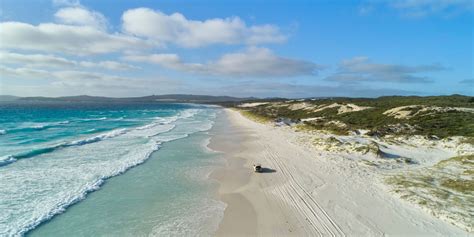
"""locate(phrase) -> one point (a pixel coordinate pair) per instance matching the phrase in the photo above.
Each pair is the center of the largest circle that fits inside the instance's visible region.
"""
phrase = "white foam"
(189, 113)
(206, 148)
(39, 126)
(111, 134)
(93, 119)
(154, 130)
(5, 160)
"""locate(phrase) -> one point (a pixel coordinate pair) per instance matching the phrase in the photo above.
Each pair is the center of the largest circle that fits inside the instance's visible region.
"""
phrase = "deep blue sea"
(86, 169)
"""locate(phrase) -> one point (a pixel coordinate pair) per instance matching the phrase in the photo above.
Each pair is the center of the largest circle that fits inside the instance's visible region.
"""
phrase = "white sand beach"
(305, 192)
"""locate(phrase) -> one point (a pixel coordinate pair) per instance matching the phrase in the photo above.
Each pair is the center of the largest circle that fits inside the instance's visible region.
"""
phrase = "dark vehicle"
(257, 168)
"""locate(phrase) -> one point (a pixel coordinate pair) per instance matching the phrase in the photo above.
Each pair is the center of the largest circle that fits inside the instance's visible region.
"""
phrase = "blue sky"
(239, 48)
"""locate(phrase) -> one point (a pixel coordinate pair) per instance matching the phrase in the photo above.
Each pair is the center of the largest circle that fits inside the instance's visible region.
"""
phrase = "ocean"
(107, 170)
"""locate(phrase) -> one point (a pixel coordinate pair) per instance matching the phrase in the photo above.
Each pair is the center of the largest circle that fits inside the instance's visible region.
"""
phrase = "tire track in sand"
(305, 203)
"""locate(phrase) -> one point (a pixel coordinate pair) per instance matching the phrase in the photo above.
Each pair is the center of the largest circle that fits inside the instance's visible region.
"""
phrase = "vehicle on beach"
(257, 168)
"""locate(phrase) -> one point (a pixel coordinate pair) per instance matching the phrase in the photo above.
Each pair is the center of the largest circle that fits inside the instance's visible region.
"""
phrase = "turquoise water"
(107, 170)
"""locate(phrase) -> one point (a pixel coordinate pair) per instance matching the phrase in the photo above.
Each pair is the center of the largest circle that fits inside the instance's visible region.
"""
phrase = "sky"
(291, 49)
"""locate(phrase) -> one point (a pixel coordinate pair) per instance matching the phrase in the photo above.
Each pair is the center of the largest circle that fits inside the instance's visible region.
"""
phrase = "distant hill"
(81, 98)
(152, 98)
(8, 98)
(190, 98)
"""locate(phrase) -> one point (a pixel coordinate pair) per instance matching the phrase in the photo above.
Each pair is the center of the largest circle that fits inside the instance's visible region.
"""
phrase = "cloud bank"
(360, 69)
(252, 62)
(177, 29)
(69, 39)
(81, 17)
(52, 61)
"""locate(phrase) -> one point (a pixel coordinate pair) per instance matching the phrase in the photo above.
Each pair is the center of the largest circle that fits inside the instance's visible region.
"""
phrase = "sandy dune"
(342, 108)
(249, 105)
(305, 192)
(405, 112)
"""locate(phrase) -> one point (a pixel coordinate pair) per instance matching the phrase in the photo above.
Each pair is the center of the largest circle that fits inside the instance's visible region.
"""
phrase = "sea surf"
(56, 158)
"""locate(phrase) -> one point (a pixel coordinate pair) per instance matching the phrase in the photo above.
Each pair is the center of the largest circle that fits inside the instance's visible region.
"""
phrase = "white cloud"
(7, 72)
(87, 76)
(51, 61)
(75, 79)
(71, 82)
(168, 60)
(111, 65)
(176, 29)
(77, 40)
(35, 74)
(82, 17)
(253, 62)
(37, 60)
(261, 62)
(80, 31)
(362, 69)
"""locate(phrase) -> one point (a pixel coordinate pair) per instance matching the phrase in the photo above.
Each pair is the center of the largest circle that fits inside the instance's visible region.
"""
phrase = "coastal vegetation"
(436, 116)
(446, 189)
(256, 117)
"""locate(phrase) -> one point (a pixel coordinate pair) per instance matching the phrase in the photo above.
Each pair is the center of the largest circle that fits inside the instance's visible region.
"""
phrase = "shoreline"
(252, 208)
(307, 192)
(225, 144)
(247, 204)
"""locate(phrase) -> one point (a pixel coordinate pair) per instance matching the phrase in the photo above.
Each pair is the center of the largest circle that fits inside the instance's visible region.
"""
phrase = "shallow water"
(168, 195)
